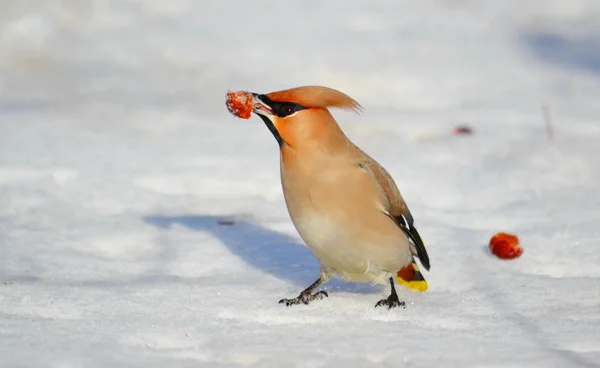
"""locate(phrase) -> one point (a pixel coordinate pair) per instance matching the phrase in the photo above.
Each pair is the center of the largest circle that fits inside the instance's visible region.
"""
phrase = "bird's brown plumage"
(324, 130)
(344, 204)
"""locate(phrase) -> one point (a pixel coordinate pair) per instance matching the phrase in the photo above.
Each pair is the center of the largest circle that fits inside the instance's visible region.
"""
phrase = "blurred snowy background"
(119, 163)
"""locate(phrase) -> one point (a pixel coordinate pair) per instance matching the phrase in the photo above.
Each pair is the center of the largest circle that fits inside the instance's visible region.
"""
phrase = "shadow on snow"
(270, 251)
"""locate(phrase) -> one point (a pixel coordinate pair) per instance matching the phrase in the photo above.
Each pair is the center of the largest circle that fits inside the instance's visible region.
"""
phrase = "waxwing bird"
(344, 205)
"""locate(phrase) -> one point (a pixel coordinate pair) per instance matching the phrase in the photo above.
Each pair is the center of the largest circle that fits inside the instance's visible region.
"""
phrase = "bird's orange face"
(282, 118)
(292, 123)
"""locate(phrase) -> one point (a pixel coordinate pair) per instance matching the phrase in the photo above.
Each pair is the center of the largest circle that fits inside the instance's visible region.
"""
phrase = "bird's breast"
(337, 212)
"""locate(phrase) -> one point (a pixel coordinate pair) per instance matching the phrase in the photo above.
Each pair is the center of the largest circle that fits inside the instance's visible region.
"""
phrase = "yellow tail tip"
(416, 285)
(411, 277)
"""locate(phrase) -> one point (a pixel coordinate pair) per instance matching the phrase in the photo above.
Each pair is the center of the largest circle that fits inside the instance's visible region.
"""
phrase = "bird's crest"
(316, 97)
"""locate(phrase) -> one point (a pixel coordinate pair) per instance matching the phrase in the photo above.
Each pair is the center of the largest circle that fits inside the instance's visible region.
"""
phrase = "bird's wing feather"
(396, 206)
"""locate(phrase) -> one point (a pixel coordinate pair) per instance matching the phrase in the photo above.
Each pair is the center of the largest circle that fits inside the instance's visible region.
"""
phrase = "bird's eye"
(288, 110)
(284, 109)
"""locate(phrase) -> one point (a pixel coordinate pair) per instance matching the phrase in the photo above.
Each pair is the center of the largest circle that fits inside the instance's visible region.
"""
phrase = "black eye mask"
(281, 109)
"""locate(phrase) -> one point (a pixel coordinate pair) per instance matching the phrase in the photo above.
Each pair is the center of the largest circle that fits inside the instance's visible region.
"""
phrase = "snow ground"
(118, 159)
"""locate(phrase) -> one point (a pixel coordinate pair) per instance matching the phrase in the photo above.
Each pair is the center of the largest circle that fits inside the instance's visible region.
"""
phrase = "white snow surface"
(118, 159)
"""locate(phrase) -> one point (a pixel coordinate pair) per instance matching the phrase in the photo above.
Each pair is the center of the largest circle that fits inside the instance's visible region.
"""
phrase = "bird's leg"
(306, 296)
(392, 300)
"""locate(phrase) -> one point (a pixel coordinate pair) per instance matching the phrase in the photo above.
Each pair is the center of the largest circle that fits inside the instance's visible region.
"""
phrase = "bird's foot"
(304, 298)
(391, 302)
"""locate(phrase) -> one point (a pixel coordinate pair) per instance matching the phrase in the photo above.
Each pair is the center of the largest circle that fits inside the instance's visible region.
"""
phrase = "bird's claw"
(304, 298)
(391, 301)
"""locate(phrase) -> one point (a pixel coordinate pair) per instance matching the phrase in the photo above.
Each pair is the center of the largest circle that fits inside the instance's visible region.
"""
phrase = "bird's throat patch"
(273, 130)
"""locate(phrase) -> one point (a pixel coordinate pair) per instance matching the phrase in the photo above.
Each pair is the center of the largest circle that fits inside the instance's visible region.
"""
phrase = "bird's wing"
(396, 206)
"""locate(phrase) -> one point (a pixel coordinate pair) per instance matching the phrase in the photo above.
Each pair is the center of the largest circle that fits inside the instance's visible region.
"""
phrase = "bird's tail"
(411, 277)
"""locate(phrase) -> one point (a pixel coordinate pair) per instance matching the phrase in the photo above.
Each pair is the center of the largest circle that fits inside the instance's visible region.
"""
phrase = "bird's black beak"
(261, 105)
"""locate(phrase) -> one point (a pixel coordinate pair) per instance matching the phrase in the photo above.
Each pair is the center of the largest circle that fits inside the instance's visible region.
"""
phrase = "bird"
(345, 206)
